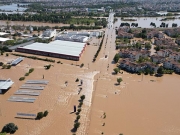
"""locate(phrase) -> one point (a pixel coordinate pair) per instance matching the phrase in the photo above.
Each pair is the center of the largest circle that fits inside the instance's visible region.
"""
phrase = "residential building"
(175, 56)
(157, 59)
(170, 64)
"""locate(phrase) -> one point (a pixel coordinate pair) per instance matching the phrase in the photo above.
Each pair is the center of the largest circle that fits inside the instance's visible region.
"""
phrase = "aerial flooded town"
(96, 67)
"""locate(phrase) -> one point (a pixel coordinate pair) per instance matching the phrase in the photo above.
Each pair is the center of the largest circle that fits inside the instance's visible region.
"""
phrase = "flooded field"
(144, 22)
(12, 7)
(141, 105)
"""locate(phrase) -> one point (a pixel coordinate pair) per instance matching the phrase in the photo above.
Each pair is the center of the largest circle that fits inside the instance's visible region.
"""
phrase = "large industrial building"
(58, 48)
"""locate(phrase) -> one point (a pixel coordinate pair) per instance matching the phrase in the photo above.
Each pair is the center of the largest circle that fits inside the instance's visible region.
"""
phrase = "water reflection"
(144, 22)
(12, 7)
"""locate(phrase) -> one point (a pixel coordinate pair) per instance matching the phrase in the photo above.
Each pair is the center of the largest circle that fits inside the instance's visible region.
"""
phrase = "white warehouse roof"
(58, 46)
(5, 84)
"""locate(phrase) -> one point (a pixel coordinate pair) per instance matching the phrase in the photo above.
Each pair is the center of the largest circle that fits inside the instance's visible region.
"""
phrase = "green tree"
(160, 70)
(116, 70)
(45, 113)
(21, 78)
(76, 125)
(77, 80)
(31, 70)
(8, 66)
(4, 66)
(157, 48)
(116, 58)
(79, 110)
(40, 115)
(10, 128)
(151, 72)
(1, 63)
(148, 46)
(119, 80)
(82, 97)
(26, 74)
(47, 66)
(78, 117)
(9, 42)
(82, 65)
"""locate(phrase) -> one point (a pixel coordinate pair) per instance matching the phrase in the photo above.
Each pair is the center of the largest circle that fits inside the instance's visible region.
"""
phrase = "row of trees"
(99, 49)
(162, 70)
(76, 122)
(15, 42)
(41, 40)
(4, 49)
(153, 24)
(146, 71)
(163, 25)
(65, 18)
(26, 74)
(40, 115)
(124, 24)
(134, 24)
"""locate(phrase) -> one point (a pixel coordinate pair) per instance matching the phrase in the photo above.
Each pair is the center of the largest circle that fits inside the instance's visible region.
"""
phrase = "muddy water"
(138, 107)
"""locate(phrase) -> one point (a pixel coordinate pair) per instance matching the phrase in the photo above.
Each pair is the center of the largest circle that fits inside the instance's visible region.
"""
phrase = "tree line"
(65, 18)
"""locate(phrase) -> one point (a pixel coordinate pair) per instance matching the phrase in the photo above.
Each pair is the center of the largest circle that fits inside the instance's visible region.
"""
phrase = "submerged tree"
(10, 128)
(116, 70)
(119, 80)
(116, 58)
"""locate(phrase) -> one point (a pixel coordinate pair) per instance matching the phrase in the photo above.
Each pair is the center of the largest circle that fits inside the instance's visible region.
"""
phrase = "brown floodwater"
(137, 107)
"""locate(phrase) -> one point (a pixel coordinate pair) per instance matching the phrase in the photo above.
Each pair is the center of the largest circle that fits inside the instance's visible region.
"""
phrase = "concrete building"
(49, 33)
(57, 48)
(157, 59)
(73, 38)
(170, 64)
(175, 56)
(102, 9)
